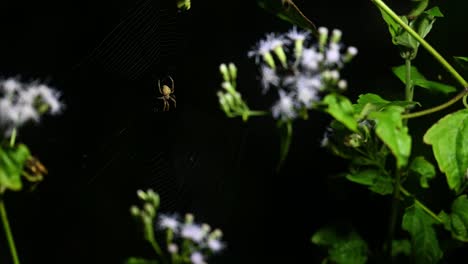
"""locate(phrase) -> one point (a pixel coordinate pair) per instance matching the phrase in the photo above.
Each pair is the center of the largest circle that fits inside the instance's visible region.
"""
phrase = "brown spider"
(167, 94)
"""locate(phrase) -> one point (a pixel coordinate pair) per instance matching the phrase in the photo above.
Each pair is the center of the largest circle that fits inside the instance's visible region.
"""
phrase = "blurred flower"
(21, 103)
(168, 222)
(193, 232)
(269, 77)
(197, 258)
(284, 107)
(307, 73)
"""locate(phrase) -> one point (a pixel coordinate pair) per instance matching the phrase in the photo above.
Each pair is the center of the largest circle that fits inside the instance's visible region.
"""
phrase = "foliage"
(373, 134)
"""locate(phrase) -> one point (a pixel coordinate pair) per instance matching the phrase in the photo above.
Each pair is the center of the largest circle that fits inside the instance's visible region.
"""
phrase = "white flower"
(21, 104)
(266, 45)
(11, 86)
(311, 59)
(269, 77)
(215, 244)
(168, 222)
(284, 108)
(333, 55)
(294, 34)
(193, 232)
(197, 258)
(50, 97)
(307, 89)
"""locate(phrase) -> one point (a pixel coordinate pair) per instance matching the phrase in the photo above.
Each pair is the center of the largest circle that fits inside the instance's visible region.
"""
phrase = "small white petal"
(284, 108)
(333, 55)
(215, 245)
(311, 59)
(197, 258)
(11, 86)
(193, 232)
(294, 34)
(269, 77)
(168, 222)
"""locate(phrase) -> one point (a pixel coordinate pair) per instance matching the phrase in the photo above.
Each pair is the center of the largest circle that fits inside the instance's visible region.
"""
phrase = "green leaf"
(134, 260)
(435, 12)
(352, 251)
(457, 221)
(373, 102)
(342, 110)
(12, 161)
(462, 61)
(376, 180)
(288, 11)
(449, 140)
(422, 24)
(419, 80)
(325, 237)
(390, 129)
(347, 248)
(424, 169)
(401, 247)
(424, 241)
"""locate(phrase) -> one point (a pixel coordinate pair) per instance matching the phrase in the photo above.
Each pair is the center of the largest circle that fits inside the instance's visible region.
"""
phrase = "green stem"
(421, 205)
(9, 235)
(156, 248)
(394, 212)
(258, 113)
(437, 108)
(434, 53)
(424, 43)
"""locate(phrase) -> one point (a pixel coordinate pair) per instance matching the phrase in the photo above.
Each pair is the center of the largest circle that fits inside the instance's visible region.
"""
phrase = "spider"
(167, 94)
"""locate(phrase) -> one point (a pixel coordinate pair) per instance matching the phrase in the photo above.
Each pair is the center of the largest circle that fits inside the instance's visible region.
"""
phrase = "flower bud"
(189, 218)
(224, 72)
(134, 211)
(351, 52)
(233, 71)
(268, 58)
(142, 195)
(279, 51)
(336, 35)
(323, 37)
(342, 85)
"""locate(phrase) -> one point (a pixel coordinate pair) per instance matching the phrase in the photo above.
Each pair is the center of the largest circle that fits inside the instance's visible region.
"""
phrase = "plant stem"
(394, 212)
(421, 205)
(156, 247)
(434, 53)
(424, 43)
(9, 235)
(437, 108)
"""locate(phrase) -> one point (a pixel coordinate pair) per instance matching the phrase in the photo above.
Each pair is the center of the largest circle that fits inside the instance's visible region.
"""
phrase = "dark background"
(113, 137)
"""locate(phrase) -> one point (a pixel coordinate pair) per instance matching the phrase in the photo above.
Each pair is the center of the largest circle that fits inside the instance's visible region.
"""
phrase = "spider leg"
(166, 105)
(172, 82)
(173, 100)
(159, 86)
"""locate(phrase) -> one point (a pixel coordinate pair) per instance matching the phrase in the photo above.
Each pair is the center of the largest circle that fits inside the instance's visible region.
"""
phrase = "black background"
(113, 138)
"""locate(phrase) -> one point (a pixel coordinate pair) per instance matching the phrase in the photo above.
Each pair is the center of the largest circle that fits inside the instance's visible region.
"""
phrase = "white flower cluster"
(21, 103)
(202, 240)
(301, 70)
